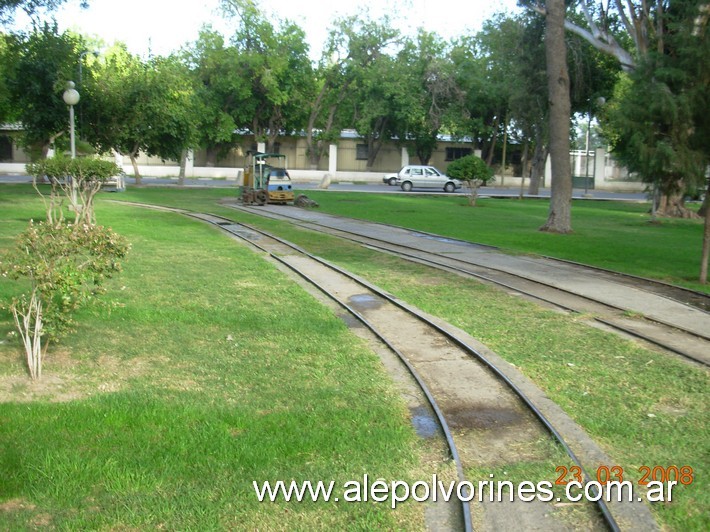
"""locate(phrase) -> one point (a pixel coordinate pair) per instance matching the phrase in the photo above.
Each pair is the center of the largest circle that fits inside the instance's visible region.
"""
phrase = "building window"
(456, 153)
(361, 152)
(5, 148)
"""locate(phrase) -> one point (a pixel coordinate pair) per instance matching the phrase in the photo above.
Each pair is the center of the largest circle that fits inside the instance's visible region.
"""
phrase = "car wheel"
(449, 187)
(406, 186)
(392, 181)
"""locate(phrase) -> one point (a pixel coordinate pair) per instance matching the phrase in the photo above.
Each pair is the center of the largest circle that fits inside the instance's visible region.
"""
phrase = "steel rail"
(453, 451)
(224, 223)
(703, 297)
(387, 247)
(604, 509)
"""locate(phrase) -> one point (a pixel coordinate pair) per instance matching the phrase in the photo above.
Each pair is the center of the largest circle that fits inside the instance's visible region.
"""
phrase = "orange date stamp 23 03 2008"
(681, 475)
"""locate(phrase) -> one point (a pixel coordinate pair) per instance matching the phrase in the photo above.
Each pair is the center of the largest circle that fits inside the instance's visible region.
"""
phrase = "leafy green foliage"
(78, 180)
(221, 91)
(274, 67)
(133, 107)
(432, 92)
(658, 125)
(473, 171)
(7, 111)
(470, 168)
(85, 170)
(38, 66)
(378, 89)
(66, 265)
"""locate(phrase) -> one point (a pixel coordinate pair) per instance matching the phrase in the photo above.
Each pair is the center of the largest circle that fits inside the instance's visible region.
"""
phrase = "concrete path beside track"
(592, 283)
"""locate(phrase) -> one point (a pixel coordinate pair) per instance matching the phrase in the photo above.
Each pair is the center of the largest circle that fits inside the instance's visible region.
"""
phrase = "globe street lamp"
(71, 98)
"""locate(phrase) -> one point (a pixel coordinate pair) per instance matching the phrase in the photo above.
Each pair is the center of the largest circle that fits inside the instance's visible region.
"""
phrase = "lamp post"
(71, 98)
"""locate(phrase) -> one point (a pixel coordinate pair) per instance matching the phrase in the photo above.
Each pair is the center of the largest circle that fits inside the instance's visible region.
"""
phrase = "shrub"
(473, 171)
(77, 180)
(66, 265)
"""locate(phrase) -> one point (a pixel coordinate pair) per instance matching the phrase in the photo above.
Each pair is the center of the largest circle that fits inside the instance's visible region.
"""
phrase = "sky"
(162, 26)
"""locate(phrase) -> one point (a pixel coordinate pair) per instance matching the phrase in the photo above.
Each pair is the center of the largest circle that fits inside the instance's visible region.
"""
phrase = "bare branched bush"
(66, 263)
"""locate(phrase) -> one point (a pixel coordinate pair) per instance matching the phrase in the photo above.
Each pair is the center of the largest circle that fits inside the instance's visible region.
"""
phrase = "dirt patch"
(16, 505)
(20, 388)
(66, 378)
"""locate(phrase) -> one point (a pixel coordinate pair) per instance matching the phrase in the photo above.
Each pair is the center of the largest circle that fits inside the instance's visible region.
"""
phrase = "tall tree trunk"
(494, 141)
(136, 172)
(524, 166)
(505, 149)
(559, 219)
(672, 205)
(706, 203)
(374, 142)
(706, 240)
(211, 156)
(183, 166)
(539, 160)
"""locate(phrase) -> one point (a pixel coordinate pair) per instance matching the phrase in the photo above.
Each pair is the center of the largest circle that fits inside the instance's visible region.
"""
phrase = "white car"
(416, 176)
(390, 179)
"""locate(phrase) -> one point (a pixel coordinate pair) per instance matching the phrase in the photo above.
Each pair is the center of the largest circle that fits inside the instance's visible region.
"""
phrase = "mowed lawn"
(162, 354)
(206, 370)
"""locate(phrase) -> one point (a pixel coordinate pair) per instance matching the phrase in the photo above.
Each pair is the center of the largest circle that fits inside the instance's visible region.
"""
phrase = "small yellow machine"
(266, 179)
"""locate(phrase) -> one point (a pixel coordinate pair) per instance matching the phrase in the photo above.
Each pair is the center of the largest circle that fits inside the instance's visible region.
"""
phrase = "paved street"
(359, 187)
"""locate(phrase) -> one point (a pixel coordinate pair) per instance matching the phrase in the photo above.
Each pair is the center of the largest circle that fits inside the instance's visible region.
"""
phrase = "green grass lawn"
(613, 235)
(182, 390)
(645, 408)
(211, 370)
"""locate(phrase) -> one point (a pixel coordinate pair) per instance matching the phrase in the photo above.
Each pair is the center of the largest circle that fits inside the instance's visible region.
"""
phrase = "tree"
(492, 82)
(133, 107)
(7, 110)
(426, 107)
(379, 87)
(76, 180)
(65, 263)
(347, 55)
(514, 47)
(474, 172)
(485, 92)
(559, 219)
(40, 64)
(32, 8)
(326, 112)
(633, 32)
(670, 151)
(221, 92)
(275, 58)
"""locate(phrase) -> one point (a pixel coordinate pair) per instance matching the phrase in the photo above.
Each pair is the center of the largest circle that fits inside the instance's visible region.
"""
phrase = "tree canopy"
(33, 8)
(486, 89)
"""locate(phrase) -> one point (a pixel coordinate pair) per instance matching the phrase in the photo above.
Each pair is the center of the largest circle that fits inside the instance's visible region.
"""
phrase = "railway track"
(672, 318)
(488, 412)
